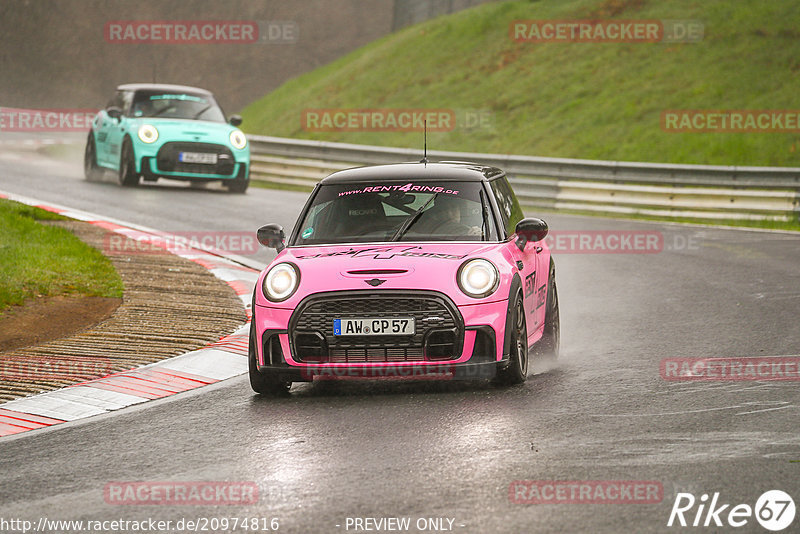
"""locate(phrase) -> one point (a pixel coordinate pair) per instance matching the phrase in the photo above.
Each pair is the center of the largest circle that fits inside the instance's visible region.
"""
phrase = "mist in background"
(54, 54)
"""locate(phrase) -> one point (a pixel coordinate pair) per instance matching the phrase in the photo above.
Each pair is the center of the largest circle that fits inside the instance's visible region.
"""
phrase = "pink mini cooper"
(411, 270)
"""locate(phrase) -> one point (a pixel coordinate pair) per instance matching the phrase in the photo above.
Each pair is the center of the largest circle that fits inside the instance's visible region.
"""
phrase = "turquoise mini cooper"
(152, 131)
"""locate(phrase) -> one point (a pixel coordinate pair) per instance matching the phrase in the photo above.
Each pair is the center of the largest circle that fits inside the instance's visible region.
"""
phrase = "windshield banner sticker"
(405, 188)
(386, 253)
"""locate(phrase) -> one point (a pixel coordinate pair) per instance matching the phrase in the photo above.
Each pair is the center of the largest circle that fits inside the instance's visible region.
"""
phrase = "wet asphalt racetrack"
(331, 451)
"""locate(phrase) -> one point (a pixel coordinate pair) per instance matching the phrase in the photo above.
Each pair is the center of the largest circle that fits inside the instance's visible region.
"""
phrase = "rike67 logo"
(774, 510)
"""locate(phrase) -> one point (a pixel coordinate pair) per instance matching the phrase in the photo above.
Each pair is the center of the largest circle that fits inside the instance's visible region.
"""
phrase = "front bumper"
(283, 336)
(162, 160)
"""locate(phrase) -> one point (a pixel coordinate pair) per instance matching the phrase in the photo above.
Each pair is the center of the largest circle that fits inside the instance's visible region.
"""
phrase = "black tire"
(263, 383)
(240, 183)
(91, 170)
(127, 166)
(549, 345)
(517, 370)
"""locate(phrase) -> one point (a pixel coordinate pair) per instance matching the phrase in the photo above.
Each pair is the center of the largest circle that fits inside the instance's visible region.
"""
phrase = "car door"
(103, 123)
(117, 128)
(528, 260)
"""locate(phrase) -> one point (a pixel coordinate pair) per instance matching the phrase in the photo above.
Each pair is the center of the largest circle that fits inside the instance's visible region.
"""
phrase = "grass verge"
(37, 260)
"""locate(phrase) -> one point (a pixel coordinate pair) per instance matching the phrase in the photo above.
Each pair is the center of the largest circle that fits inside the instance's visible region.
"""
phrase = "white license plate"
(198, 157)
(374, 326)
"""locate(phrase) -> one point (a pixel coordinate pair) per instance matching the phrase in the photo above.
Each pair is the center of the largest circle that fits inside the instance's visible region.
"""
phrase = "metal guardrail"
(665, 190)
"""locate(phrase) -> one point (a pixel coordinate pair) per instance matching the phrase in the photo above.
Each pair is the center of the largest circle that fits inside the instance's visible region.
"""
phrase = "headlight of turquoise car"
(281, 282)
(148, 133)
(238, 140)
(478, 278)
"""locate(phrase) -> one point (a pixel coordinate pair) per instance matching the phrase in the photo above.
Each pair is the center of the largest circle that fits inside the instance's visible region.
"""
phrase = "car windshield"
(407, 211)
(176, 106)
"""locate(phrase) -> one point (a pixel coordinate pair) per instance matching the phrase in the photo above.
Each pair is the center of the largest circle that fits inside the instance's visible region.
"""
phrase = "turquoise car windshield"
(176, 106)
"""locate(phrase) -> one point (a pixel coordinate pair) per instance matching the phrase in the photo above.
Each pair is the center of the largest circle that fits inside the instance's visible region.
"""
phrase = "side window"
(116, 100)
(127, 101)
(510, 210)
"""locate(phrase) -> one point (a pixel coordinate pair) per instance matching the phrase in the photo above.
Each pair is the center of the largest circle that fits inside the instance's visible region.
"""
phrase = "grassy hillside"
(583, 100)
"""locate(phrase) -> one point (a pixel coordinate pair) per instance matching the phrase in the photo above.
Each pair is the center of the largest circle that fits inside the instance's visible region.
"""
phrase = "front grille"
(167, 158)
(440, 339)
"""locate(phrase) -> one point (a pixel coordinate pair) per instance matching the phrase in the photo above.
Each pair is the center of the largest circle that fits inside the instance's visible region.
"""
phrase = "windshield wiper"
(411, 219)
(160, 111)
(201, 111)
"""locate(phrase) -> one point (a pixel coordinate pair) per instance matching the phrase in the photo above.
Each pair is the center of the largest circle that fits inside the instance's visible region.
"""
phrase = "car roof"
(162, 87)
(457, 171)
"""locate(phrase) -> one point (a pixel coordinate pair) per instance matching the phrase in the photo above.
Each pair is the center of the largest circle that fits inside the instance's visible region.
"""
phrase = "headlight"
(238, 140)
(478, 278)
(148, 133)
(281, 282)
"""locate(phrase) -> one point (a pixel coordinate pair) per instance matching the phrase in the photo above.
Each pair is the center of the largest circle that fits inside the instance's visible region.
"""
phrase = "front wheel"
(128, 177)
(91, 170)
(517, 370)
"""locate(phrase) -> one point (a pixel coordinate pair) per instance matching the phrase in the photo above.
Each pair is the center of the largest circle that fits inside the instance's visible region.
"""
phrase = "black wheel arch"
(514, 289)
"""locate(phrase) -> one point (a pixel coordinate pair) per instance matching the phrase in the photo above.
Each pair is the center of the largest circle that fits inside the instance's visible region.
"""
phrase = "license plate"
(374, 326)
(197, 157)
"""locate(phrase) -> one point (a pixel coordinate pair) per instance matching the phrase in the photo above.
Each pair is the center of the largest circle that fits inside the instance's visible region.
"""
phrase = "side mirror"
(114, 112)
(235, 120)
(530, 229)
(272, 236)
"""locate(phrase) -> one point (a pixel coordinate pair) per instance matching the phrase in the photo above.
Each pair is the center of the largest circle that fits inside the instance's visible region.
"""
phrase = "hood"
(424, 266)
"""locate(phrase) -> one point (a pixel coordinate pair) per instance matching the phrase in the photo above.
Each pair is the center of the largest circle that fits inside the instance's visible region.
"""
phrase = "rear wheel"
(128, 177)
(91, 170)
(517, 370)
(263, 383)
